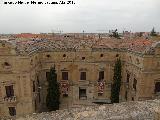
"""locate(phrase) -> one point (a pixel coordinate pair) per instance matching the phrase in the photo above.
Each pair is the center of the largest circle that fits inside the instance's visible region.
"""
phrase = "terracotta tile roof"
(29, 45)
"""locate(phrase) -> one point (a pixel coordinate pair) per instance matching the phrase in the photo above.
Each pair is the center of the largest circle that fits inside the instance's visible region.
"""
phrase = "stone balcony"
(10, 99)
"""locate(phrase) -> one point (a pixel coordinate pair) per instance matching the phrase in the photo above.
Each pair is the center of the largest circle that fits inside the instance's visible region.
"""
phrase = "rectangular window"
(64, 75)
(82, 94)
(134, 84)
(157, 87)
(9, 91)
(132, 98)
(39, 96)
(12, 111)
(101, 75)
(83, 76)
(34, 87)
(47, 75)
(126, 95)
(128, 77)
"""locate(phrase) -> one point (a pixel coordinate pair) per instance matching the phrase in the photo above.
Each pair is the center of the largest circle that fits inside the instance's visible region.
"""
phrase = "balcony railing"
(10, 99)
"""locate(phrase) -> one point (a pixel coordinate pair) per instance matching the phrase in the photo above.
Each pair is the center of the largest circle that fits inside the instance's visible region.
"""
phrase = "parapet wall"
(140, 110)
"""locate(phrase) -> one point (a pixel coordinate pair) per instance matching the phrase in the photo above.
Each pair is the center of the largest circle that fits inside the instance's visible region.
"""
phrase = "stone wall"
(140, 110)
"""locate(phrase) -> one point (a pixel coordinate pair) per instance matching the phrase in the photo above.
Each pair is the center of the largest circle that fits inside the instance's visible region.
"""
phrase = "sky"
(85, 15)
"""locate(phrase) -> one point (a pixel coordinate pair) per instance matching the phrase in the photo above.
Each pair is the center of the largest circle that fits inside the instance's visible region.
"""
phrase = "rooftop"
(25, 46)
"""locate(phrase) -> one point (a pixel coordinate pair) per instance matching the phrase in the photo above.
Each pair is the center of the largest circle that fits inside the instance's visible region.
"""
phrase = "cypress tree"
(115, 88)
(53, 95)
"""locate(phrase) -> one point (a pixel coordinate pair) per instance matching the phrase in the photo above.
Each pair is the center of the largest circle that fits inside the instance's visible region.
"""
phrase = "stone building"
(84, 69)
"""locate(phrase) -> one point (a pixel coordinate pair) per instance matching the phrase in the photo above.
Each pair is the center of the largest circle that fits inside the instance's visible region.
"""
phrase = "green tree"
(53, 95)
(153, 33)
(115, 88)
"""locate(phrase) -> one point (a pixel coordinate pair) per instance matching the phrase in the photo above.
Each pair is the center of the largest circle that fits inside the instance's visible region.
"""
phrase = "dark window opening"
(6, 64)
(132, 98)
(126, 95)
(39, 96)
(47, 75)
(101, 55)
(64, 55)
(100, 94)
(35, 105)
(48, 56)
(34, 87)
(83, 76)
(117, 55)
(128, 77)
(64, 75)
(83, 58)
(101, 75)
(82, 94)
(157, 87)
(9, 91)
(38, 81)
(12, 111)
(65, 95)
(134, 84)
(31, 63)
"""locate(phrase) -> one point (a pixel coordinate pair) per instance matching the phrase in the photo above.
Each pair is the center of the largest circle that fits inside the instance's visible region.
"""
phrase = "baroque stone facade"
(84, 69)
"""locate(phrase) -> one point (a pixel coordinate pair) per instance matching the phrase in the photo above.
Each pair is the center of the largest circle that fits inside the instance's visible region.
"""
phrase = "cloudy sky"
(87, 15)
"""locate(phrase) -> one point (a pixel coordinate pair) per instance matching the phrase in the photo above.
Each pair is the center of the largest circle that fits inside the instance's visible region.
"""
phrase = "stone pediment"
(7, 48)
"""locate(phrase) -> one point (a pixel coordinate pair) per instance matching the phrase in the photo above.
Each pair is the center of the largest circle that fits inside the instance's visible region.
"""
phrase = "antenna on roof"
(83, 34)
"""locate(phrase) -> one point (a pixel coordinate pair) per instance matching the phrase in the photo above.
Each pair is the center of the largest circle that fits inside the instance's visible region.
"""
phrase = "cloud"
(88, 15)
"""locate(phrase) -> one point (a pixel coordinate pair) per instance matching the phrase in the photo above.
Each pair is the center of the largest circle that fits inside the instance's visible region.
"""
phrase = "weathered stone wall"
(144, 110)
(28, 69)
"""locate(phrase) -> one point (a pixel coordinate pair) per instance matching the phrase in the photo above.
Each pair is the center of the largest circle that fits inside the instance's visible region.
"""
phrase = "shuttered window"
(64, 75)
(83, 76)
(101, 75)
(9, 91)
